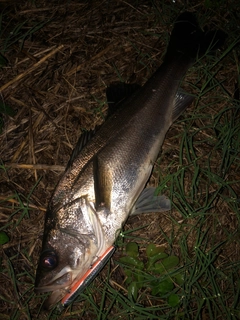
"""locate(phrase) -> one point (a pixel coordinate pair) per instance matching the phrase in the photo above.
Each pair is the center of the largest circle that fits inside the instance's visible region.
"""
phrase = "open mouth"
(79, 285)
(65, 289)
(62, 280)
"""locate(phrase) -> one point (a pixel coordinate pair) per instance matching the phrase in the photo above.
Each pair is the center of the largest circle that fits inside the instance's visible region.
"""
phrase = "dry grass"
(59, 63)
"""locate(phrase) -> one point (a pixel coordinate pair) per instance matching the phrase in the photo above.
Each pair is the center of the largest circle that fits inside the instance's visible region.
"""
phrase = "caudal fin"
(187, 39)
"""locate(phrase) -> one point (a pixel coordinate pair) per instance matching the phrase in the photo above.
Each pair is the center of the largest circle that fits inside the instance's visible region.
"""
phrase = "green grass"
(16, 32)
(202, 180)
(201, 290)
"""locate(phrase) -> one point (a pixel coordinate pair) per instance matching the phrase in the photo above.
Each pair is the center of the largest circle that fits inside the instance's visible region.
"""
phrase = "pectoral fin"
(148, 201)
(102, 183)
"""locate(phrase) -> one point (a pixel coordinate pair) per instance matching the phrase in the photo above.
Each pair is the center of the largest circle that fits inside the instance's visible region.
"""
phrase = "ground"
(57, 58)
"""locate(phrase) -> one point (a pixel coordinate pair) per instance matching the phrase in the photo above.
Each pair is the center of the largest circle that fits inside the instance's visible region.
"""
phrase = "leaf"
(140, 279)
(133, 290)
(132, 262)
(173, 300)
(132, 249)
(152, 250)
(166, 264)
(170, 262)
(129, 275)
(163, 287)
(179, 278)
(128, 272)
(3, 237)
(152, 260)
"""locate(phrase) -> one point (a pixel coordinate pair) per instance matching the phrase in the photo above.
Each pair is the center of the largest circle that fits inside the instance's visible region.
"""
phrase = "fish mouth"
(62, 280)
(72, 281)
(67, 290)
(81, 283)
(60, 285)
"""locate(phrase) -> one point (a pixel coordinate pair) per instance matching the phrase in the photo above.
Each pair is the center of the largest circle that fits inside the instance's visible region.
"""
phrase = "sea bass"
(105, 180)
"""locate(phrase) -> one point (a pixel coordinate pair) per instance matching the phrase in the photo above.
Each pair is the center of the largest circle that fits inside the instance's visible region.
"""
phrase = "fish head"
(66, 255)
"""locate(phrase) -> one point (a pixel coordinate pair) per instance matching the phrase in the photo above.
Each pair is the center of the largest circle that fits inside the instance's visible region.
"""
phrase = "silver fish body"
(97, 192)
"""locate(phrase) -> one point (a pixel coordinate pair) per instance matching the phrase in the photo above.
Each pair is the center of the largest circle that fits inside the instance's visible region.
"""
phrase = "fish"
(105, 179)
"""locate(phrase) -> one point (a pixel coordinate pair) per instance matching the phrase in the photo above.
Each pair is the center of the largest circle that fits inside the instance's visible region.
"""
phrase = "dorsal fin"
(82, 141)
(115, 94)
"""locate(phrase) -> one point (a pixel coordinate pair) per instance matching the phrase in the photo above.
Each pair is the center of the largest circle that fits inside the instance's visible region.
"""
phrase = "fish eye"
(49, 260)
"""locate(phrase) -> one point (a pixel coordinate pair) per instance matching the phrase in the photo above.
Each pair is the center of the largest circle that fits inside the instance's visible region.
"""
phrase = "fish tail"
(188, 40)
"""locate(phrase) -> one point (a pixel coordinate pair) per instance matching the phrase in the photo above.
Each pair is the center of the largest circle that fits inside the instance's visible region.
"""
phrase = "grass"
(198, 167)
(18, 32)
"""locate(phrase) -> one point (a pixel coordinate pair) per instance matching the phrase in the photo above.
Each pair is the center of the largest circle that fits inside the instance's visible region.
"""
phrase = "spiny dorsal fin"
(115, 94)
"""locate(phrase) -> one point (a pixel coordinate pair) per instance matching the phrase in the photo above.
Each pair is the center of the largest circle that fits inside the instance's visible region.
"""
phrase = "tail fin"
(189, 40)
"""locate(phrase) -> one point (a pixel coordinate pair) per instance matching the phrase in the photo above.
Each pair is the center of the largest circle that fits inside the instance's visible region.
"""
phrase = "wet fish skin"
(98, 190)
